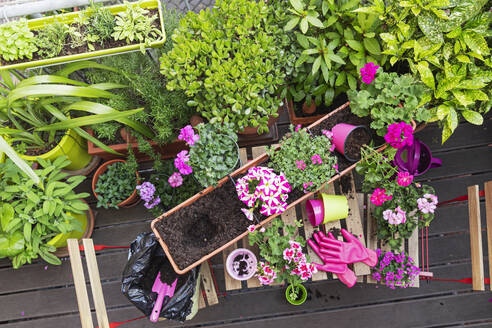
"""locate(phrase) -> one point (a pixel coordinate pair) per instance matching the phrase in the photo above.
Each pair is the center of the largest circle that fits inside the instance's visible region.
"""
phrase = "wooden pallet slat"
(413, 252)
(371, 236)
(252, 282)
(230, 283)
(208, 284)
(475, 238)
(488, 214)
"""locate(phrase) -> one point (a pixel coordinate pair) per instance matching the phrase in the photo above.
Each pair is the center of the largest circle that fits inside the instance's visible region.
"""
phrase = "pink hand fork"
(162, 290)
(351, 251)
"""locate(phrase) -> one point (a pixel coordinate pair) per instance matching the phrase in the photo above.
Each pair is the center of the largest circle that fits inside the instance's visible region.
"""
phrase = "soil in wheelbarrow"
(200, 228)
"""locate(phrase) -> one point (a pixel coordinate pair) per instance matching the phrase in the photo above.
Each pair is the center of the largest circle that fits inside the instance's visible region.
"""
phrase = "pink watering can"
(416, 159)
(162, 290)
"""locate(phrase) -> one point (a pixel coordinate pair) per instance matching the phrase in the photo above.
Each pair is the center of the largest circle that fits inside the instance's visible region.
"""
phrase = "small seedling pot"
(132, 200)
(309, 109)
(243, 261)
(300, 299)
(341, 133)
(416, 159)
(315, 211)
(335, 207)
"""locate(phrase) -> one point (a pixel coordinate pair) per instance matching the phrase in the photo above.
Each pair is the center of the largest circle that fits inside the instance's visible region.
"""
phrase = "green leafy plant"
(230, 61)
(100, 22)
(215, 154)
(305, 160)
(332, 44)
(135, 25)
(16, 40)
(51, 39)
(445, 44)
(117, 183)
(32, 214)
(376, 167)
(390, 98)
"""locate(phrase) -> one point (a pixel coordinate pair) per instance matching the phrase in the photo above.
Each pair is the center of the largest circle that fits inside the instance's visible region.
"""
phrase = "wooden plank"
(201, 299)
(413, 252)
(208, 284)
(243, 155)
(230, 283)
(79, 282)
(475, 238)
(97, 294)
(354, 225)
(372, 241)
(488, 213)
(252, 282)
(258, 151)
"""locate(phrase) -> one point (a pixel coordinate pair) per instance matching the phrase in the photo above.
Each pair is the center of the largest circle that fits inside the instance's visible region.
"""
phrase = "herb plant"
(117, 183)
(395, 270)
(376, 167)
(332, 44)
(16, 40)
(445, 45)
(32, 214)
(215, 154)
(100, 22)
(390, 98)
(306, 160)
(230, 61)
(51, 39)
(134, 25)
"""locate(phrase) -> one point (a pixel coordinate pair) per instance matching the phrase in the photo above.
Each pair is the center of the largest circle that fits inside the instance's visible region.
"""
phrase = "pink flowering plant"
(282, 250)
(388, 98)
(307, 161)
(399, 135)
(262, 188)
(395, 270)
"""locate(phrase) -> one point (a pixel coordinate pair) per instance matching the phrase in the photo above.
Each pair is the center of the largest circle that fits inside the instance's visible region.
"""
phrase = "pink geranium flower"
(379, 196)
(368, 72)
(175, 180)
(298, 127)
(399, 135)
(187, 134)
(404, 179)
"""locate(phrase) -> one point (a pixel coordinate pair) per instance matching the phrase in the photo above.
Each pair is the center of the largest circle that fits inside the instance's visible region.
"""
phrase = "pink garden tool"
(162, 290)
(343, 272)
(351, 251)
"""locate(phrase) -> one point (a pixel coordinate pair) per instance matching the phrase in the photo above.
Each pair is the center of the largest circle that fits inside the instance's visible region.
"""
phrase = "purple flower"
(298, 127)
(147, 194)
(187, 134)
(175, 180)
(368, 72)
(180, 163)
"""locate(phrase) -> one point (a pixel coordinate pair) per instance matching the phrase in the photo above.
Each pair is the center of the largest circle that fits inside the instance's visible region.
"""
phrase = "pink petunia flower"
(251, 228)
(175, 180)
(404, 179)
(248, 213)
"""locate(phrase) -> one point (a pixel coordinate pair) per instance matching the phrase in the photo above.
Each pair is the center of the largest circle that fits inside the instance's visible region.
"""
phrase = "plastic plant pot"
(341, 133)
(71, 145)
(241, 264)
(335, 207)
(315, 211)
(300, 298)
(416, 159)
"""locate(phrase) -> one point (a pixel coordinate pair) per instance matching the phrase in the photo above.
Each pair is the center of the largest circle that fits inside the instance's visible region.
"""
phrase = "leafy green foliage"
(301, 146)
(445, 44)
(390, 98)
(134, 25)
(377, 168)
(272, 243)
(31, 214)
(100, 22)
(16, 40)
(51, 39)
(230, 61)
(116, 184)
(332, 44)
(215, 154)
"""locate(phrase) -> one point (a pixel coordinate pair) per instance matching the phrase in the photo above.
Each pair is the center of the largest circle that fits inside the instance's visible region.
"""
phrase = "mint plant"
(16, 41)
(230, 61)
(390, 98)
(51, 39)
(306, 160)
(32, 214)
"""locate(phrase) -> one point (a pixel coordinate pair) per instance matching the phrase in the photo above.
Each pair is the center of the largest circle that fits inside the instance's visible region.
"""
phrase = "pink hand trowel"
(162, 289)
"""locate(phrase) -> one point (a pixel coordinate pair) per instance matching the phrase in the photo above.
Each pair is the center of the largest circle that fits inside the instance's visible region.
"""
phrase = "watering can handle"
(414, 158)
(436, 162)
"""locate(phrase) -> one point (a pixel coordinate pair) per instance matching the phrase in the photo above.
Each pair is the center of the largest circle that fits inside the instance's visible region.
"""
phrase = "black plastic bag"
(145, 258)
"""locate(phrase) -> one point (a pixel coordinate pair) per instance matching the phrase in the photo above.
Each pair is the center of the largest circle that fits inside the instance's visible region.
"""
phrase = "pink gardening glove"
(343, 272)
(351, 251)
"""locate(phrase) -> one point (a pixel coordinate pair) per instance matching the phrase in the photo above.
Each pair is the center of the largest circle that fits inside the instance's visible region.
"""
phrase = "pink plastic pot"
(315, 211)
(341, 132)
(241, 264)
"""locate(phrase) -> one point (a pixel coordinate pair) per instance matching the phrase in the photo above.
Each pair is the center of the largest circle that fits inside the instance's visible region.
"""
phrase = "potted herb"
(73, 36)
(447, 49)
(395, 270)
(38, 218)
(232, 72)
(331, 44)
(284, 259)
(115, 183)
(389, 98)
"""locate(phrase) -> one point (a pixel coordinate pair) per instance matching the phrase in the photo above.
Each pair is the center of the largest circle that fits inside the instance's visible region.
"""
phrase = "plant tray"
(39, 23)
(303, 120)
(242, 170)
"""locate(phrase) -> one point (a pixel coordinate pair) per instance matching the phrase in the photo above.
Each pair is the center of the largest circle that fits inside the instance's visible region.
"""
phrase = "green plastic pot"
(297, 301)
(40, 23)
(71, 145)
(335, 207)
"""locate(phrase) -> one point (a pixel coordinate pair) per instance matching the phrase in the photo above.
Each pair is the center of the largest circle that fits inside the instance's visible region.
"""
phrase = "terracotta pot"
(249, 130)
(240, 171)
(195, 120)
(132, 200)
(309, 109)
(301, 120)
(127, 136)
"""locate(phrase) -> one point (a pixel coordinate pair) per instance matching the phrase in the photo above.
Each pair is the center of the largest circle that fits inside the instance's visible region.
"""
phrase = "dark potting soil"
(67, 50)
(321, 109)
(240, 264)
(162, 265)
(200, 228)
(355, 141)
